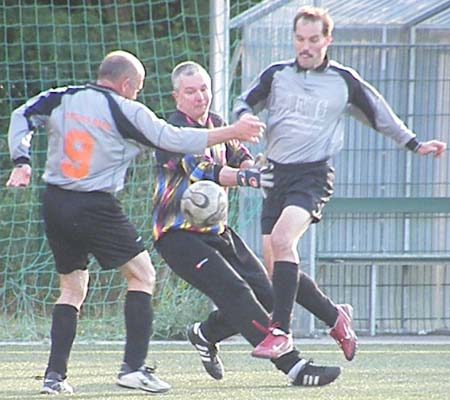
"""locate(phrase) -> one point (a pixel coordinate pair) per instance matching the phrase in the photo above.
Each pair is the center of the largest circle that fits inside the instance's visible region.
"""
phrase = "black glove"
(256, 177)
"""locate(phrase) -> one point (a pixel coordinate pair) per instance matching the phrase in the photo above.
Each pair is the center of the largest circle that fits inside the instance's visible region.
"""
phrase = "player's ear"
(122, 85)
(128, 83)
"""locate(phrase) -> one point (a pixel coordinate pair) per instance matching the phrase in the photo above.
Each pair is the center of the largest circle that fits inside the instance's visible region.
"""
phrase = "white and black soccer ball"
(204, 204)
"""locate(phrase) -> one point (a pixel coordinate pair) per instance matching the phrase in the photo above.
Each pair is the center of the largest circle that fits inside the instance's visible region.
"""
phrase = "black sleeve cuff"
(217, 169)
(21, 160)
(242, 111)
(413, 145)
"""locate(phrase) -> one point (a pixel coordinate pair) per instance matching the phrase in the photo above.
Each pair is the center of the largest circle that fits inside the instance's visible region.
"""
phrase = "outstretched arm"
(249, 129)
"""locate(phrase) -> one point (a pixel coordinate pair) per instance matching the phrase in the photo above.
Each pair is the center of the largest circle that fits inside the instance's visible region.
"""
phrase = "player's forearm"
(19, 136)
(220, 135)
(228, 176)
(249, 129)
(247, 163)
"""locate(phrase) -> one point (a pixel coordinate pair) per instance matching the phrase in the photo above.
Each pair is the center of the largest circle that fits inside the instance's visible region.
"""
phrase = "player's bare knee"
(74, 288)
(146, 276)
(281, 244)
(140, 273)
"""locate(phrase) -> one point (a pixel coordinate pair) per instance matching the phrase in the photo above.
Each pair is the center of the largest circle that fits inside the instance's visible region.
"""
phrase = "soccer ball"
(204, 204)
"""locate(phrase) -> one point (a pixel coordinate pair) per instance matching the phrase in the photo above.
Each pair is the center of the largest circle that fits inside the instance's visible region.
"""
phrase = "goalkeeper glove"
(256, 177)
(260, 160)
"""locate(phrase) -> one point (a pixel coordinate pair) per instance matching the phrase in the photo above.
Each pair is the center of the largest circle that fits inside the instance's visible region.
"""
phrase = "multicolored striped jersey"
(174, 172)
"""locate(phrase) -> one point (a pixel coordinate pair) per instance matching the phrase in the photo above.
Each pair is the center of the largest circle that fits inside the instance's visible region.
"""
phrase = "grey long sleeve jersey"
(93, 135)
(305, 109)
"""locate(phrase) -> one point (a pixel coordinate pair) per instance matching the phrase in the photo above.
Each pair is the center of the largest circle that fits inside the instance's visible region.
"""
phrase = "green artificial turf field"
(379, 372)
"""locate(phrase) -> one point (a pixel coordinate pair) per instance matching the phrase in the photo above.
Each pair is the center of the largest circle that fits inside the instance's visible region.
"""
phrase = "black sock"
(62, 333)
(315, 301)
(138, 324)
(285, 280)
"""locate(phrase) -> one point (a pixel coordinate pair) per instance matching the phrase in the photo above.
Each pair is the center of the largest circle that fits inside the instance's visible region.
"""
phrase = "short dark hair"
(310, 13)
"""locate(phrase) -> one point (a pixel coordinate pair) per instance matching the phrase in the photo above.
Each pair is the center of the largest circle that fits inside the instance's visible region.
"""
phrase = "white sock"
(293, 372)
(279, 332)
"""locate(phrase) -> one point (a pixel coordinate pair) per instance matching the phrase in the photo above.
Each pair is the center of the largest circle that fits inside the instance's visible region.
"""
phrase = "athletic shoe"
(143, 378)
(275, 344)
(343, 332)
(313, 375)
(208, 352)
(54, 383)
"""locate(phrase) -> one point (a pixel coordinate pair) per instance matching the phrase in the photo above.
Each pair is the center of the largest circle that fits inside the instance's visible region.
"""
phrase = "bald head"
(123, 72)
(118, 63)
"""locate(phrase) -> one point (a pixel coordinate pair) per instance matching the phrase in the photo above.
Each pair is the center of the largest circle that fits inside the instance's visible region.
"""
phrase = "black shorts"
(225, 269)
(81, 223)
(307, 185)
(215, 264)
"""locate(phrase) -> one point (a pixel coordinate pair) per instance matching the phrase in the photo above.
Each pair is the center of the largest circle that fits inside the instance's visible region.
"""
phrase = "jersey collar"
(102, 88)
(195, 124)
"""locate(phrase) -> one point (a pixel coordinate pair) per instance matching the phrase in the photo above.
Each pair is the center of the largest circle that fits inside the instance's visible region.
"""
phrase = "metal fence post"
(373, 299)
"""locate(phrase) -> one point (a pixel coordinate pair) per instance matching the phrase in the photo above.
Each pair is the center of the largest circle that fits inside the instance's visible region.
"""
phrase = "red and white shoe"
(275, 344)
(343, 332)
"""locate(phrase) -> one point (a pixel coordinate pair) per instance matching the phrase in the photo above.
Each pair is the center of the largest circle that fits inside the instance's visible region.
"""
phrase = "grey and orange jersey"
(93, 135)
(305, 110)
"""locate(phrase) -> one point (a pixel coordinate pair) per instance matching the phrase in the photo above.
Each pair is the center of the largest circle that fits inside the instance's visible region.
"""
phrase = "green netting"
(53, 43)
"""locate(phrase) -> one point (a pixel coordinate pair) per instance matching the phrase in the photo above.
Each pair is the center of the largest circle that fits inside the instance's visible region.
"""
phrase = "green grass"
(379, 372)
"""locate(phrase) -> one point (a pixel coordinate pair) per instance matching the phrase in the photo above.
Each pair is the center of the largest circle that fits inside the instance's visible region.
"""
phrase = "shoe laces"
(212, 350)
(305, 366)
(147, 370)
(264, 329)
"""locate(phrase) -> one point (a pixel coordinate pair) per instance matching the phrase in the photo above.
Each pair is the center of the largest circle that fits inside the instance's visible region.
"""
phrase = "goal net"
(56, 43)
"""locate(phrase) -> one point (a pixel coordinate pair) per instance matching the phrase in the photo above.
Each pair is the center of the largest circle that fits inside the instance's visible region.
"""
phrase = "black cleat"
(315, 375)
(208, 352)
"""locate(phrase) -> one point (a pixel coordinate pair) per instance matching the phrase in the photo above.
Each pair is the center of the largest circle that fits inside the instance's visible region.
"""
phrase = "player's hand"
(435, 147)
(249, 128)
(257, 178)
(20, 176)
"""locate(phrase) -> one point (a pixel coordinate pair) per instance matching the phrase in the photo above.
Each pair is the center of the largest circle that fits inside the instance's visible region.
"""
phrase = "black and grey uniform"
(93, 135)
(305, 128)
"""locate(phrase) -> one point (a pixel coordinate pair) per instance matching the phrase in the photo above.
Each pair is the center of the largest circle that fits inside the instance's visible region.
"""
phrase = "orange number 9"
(78, 147)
